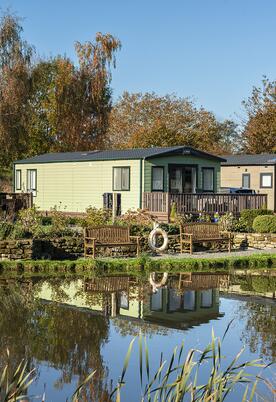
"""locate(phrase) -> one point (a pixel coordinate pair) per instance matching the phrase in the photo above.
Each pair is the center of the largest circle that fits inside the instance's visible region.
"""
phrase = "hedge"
(265, 224)
(248, 215)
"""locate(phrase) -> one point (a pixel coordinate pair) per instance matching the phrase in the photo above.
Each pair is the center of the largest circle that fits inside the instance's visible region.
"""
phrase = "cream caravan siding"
(231, 176)
(72, 295)
(74, 186)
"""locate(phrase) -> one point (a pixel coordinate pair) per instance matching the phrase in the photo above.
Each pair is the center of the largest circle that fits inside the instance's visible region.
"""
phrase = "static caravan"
(73, 181)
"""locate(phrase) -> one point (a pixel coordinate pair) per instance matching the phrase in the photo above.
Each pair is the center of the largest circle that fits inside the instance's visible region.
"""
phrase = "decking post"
(168, 201)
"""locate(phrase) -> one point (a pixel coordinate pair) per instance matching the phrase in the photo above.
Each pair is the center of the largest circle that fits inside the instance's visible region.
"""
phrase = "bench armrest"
(90, 238)
(186, 235)
(225, 234)
(137, 238)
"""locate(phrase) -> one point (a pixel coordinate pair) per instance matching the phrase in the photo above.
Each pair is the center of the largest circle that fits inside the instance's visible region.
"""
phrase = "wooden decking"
(159, 204)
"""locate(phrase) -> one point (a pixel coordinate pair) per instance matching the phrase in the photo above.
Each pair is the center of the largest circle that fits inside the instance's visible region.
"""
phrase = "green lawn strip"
(144, 263)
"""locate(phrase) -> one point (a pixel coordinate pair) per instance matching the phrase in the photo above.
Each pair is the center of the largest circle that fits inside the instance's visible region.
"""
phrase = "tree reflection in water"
(67, 339)
(260, 327)
(70, 339)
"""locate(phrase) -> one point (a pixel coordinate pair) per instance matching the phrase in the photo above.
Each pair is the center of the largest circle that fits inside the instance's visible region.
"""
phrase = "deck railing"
(160, 203)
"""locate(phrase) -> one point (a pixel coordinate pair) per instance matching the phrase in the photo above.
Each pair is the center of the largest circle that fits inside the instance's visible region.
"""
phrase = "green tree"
(52, 104)
(50, 79)
(15, 64)
(71, 104)
(259, 129)
(144, 120)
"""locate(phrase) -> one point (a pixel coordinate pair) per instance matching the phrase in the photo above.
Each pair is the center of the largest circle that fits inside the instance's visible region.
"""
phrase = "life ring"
(155, 284)
(152, 240)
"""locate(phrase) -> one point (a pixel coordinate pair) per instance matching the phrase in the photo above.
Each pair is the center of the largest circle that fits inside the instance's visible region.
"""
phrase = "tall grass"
(13, 387)
(176, 379)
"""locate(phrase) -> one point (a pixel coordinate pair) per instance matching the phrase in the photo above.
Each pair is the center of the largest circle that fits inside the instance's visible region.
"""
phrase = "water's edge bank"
(144, 263)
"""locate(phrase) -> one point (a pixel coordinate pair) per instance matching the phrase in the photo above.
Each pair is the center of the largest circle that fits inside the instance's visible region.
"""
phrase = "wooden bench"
(191, 233)
(108, 236)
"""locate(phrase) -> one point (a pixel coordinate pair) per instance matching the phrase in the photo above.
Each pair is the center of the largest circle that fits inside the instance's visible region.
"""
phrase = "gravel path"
(215, 254)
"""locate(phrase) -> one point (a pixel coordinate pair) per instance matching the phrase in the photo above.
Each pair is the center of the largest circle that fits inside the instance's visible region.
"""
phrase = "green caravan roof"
(121, 154)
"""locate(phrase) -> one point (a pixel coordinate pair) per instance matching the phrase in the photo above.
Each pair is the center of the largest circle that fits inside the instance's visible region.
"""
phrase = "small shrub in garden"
(74, 221)
(265, 224)
(46, 220)
(6, 229)
(97, 217)
(170, 228)
(248, 216)
(139, 217)
(29, 222)
(182, 219)
(227, 222)
(173, 213)
(59, 223)
(204, 218)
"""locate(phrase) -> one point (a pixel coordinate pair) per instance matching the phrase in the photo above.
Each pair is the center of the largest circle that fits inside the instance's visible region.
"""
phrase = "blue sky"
(211, 50)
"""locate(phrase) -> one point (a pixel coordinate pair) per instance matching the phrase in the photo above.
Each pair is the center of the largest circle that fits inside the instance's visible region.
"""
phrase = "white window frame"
(32, 181)
(121, 186)
(18, 179)
(267, 175)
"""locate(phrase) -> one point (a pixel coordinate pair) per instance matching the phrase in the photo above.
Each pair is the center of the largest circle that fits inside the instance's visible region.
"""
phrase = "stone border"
(71, 248)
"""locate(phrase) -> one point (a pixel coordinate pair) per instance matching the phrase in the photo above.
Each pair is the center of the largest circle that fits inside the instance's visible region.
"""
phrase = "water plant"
(177, 379)
(14, 387)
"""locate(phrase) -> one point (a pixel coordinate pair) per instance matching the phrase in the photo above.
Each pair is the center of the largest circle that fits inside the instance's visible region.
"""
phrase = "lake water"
(69, 327)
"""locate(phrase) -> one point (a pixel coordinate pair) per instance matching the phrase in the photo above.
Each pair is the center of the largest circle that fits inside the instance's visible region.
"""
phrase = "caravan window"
(157, 178)
(121, 178)
(18, 184)
(32, 181)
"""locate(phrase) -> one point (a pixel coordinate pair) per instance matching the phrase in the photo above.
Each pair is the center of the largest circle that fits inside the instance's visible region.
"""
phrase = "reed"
(13, 387)
(178, 378)
(175, 379)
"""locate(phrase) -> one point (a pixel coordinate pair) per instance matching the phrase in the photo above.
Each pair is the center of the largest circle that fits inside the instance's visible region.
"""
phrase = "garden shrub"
(204, 218)
(170, 228)
(140, 217)
(6, 229)
(29, 222)
(96, 217)
(227, 222)
(59, 223)
(182, 219)
(265, 224)
(46, 220)
(71, 220)
(247, 217)
(140, 230)
(173, 213)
